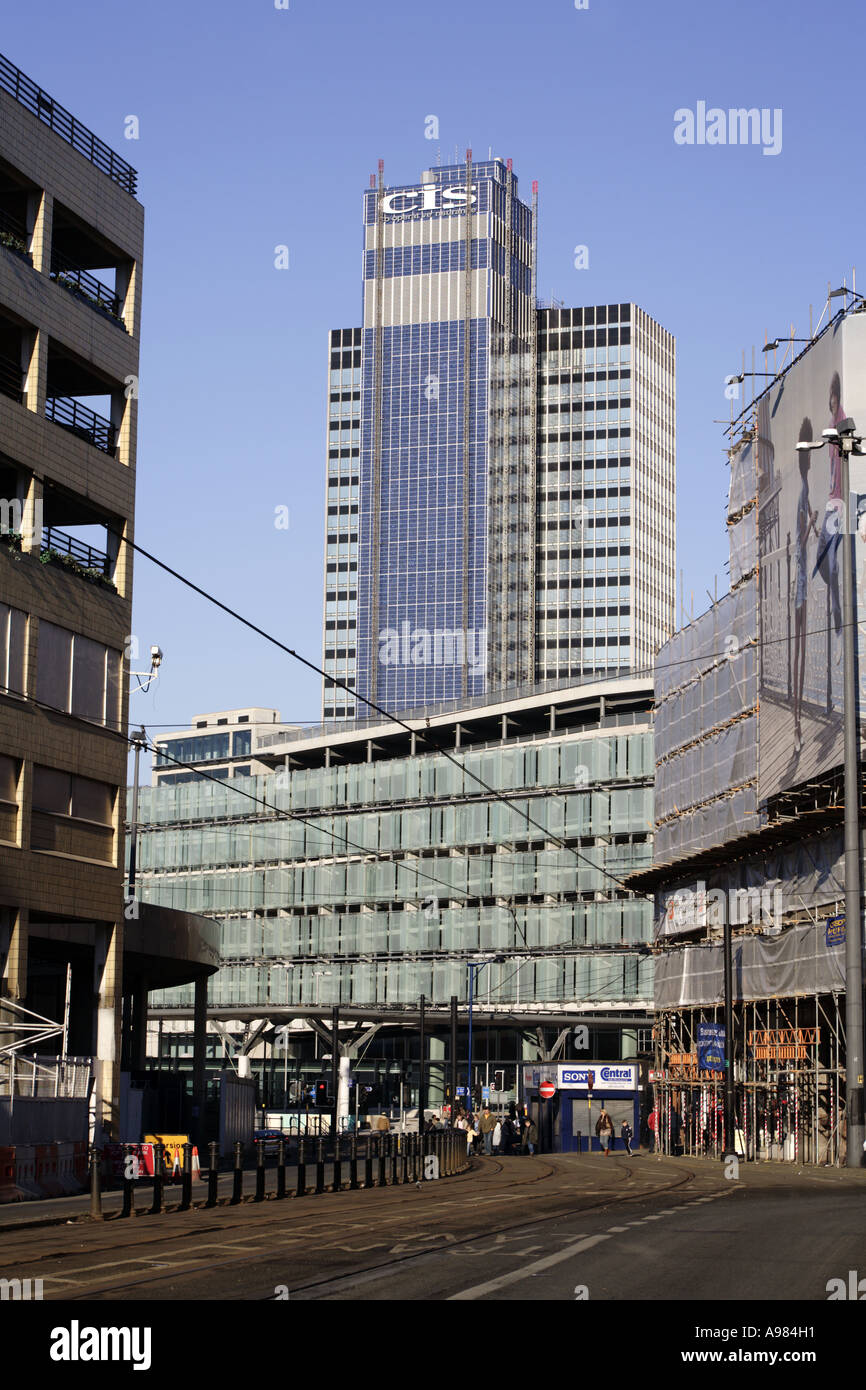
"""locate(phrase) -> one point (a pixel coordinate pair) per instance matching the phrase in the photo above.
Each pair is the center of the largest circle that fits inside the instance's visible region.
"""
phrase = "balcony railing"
(86, 286)
(81, 420)
(11, 379)
(13, 235)
(61, 543)
(64, 124)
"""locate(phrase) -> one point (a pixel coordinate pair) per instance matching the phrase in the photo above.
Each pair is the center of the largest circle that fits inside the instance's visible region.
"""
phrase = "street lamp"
(476, 963)
(848, 443)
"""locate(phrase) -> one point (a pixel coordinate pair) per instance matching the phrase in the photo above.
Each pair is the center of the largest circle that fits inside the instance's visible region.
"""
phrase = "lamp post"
(139, 741)
(848, 443)
(475, 964)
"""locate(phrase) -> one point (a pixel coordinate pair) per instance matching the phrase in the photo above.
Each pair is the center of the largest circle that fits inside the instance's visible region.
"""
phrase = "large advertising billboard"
(802, 519)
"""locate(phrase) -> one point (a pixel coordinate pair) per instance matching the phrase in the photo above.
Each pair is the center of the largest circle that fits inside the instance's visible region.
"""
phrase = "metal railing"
(64, 124)
(11, 379)
(64, 544)
(45, 1077)
(81, 420)
(82, 283)
(13, 235)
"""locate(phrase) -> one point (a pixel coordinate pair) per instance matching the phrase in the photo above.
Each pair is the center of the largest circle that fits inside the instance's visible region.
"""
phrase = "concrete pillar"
(40, 214)
(138, 1041)
(199, 1077)
(628, 1043)
(108, 971)
(344, 1092)
(436, 1072)
(15, 952)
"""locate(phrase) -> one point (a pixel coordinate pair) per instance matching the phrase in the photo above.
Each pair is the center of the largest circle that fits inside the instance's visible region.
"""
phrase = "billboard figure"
(806, 522)
(831, 531)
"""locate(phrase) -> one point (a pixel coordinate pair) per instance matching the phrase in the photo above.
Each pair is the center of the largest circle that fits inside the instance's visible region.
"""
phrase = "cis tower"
(500, 487)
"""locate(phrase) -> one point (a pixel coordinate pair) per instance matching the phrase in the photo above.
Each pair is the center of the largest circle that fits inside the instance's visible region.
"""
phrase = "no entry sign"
(547, 1090)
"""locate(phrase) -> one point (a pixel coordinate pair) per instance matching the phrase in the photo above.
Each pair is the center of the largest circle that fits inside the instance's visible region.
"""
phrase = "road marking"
(616, 1230)
(479, 1290)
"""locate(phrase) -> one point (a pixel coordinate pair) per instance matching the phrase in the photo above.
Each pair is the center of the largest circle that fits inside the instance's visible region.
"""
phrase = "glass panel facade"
(371, 882)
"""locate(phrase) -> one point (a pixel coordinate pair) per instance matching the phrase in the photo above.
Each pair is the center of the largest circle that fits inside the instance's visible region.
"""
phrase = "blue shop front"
(566, 1122)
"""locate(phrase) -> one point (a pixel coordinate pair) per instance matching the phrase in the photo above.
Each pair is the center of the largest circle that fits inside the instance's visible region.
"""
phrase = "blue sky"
(260, 127)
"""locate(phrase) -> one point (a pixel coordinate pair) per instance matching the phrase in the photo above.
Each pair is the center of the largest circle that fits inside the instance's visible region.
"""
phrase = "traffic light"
(499, 1081)
(322, 1097)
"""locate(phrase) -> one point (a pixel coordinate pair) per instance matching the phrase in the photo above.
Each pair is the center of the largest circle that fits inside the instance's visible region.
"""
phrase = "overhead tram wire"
(392, 718)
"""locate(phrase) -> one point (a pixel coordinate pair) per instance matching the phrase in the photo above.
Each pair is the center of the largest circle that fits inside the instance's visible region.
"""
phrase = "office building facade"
(375, 866)
(500, 476)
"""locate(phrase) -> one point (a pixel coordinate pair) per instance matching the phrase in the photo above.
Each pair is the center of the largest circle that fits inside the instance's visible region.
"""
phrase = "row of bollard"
(388, 1160)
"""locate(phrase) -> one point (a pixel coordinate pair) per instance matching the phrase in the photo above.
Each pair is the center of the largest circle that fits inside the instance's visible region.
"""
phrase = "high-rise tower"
(500, 476)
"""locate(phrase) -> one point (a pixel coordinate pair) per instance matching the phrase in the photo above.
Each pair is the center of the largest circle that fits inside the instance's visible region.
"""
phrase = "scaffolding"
(789, 1082)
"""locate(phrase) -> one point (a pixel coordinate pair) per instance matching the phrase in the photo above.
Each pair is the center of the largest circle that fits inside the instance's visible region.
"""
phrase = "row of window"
(74, 674)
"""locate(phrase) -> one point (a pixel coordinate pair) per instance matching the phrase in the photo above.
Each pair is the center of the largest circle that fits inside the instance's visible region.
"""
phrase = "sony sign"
(429, 194)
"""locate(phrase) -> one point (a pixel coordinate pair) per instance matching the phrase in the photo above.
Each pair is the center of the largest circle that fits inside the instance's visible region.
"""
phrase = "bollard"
(158, 1174)
(95, 1185)
(404, 1174)
(186, 1179)
(320, 1164)
(383, 1152)
(353, 1162)
(301, 1189)
(128, 1182)
(414, 1152)
(395, 1144)
(238, 1176)
(281, 1169)
(421, 1148)
(338, 1164)
(368, 1162)
(260, 1171)
(212, 1174)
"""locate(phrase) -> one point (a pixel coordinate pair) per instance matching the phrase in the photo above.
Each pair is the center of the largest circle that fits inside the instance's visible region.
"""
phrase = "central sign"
(606, 1077)
(451, 199)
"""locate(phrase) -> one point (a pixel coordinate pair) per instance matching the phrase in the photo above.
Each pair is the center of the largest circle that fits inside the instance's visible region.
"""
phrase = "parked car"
(270, 1139)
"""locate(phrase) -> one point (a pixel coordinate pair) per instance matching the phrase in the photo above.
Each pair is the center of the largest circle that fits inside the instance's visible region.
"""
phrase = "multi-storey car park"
(72, 951)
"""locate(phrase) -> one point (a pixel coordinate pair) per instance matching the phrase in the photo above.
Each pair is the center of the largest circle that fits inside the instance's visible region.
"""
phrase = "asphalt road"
(556, 1227)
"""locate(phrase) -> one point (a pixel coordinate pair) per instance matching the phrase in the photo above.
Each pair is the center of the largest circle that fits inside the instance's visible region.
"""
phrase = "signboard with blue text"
(711, 1046)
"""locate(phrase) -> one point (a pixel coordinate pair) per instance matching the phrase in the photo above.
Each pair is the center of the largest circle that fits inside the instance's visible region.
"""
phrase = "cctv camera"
(155, 656)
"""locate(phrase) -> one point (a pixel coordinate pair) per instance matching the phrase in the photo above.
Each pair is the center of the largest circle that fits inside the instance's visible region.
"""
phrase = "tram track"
(475, 1196)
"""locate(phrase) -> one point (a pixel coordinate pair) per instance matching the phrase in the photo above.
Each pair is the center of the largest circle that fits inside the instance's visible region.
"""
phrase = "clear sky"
(259, 127)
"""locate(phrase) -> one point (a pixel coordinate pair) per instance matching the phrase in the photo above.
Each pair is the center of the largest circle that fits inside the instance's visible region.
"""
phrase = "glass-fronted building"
(375, 864)
(500, 490)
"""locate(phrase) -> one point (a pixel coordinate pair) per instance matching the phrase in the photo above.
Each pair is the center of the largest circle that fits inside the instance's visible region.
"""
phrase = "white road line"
(616, 1230)
(479, 1290)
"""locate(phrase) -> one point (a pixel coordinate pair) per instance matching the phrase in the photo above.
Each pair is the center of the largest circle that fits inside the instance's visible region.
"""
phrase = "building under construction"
(748, 793)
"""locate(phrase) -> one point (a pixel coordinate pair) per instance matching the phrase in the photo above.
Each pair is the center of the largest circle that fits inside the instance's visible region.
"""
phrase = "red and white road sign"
(547, 1090)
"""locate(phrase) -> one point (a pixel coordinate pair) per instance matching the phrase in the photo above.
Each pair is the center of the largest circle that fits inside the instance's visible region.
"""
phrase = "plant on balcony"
(69, 562)
(100, 304)
(14, 243)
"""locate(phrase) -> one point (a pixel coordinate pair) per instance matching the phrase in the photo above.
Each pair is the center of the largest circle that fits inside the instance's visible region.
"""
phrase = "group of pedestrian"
(493, 1134)
(605, 1131)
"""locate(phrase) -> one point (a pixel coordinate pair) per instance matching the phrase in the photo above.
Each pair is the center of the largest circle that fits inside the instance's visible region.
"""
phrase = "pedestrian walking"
(487, 1125)
(625, 1134)
(530, 1136)
(497, 1137)
(605, 1132)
